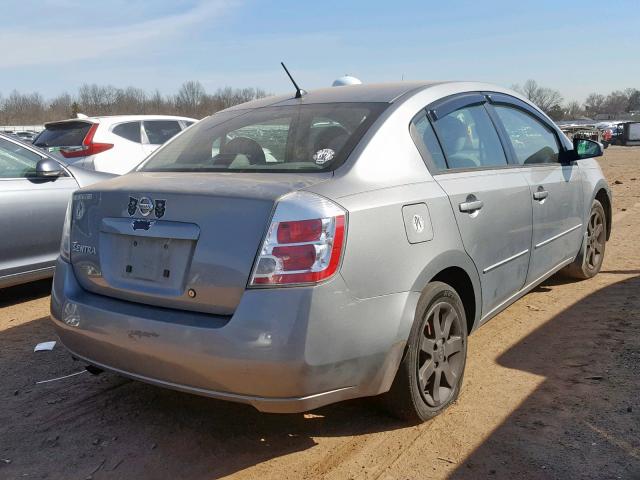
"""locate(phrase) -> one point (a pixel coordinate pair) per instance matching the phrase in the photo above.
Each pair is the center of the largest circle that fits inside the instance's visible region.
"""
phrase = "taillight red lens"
(300, 231)
(88, 147)
(296, 257)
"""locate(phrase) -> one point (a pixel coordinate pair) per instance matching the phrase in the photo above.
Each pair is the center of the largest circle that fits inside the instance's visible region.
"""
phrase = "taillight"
(304, 242)
(88, 147)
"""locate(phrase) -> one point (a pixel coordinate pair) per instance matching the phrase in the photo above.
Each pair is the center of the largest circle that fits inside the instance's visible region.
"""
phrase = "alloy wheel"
(595, 240)
(441, 356)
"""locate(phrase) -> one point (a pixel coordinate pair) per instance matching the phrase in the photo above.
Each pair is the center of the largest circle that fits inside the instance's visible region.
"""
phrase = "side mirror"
(49, 168)
(585, 148)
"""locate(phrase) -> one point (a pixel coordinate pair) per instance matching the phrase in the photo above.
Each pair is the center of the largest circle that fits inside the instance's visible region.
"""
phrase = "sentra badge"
(85, 249)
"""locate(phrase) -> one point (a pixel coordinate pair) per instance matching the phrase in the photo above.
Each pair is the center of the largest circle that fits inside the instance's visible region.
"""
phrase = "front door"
(32, 212)
(555, 189)
(491, 201)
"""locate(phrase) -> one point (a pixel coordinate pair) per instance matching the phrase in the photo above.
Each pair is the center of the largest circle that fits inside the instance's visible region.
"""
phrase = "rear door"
(32, 211)
(555, 188)
(157, 132)
(129, 151)
(490, 199)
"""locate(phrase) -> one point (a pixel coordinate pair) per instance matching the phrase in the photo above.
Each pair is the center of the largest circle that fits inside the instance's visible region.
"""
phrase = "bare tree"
(573, 109)
(191, 98)
(547, 99)
(594, 103)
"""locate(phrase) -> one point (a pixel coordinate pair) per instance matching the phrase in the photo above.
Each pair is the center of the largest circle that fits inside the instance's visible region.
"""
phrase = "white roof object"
(346, 80)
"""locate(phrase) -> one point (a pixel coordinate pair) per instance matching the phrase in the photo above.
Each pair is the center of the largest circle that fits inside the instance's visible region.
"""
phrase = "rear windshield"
(64, 134)
(315, 137)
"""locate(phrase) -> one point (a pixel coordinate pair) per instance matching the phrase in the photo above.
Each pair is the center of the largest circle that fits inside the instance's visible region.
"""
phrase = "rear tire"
(430, 374)
(589, 261)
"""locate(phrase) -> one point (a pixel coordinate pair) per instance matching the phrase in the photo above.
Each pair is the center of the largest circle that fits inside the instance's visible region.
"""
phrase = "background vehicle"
(388, 223)
(26, 136)
(35, 189)
(114, 144)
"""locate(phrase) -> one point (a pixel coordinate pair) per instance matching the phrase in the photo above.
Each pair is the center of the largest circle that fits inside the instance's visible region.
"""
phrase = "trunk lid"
(176, 240)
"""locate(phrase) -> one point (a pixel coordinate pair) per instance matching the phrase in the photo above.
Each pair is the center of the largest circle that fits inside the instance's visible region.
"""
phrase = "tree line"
(616, 103)
(192, 100)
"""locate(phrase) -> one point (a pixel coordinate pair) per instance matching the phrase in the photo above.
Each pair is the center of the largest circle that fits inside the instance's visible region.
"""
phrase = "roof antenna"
(299, 91)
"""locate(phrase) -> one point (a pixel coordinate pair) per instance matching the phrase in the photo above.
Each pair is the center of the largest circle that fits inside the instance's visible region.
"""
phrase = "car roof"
(121, 118)
(372, 92)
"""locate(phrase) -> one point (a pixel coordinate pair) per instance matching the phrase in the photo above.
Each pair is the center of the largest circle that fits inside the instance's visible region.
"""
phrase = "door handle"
(540, 194)
(471, 206)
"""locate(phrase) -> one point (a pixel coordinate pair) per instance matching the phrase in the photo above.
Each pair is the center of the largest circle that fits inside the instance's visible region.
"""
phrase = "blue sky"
(51, 46)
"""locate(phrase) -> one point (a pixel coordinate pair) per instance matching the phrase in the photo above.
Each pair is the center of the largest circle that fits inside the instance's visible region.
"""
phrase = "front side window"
(312, 137)
(159, 131)
(16, 161)
(469, 139)
(532, 141)
(128, 130)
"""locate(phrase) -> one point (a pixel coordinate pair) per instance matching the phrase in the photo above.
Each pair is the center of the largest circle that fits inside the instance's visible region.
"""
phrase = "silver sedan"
(35, 189)
(301, 250)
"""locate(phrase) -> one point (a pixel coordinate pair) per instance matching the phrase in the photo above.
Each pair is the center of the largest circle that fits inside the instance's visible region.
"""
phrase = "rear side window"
(426, 141)
(16, 161)
(63, 134)
(469, 139)
(129, 130)
(312, 137)
(159, 131)
(532, 141)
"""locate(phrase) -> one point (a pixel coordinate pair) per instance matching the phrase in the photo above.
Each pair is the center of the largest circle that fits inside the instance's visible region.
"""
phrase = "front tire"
(589, 261)
(430, 374)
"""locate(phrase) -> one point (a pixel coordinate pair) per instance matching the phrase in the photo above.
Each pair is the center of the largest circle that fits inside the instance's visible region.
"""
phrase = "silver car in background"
(293, 252)
(35, 189)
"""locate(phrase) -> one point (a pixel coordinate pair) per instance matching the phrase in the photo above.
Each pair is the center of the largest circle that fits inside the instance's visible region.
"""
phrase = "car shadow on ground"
(24, 293)
(126, 429)
(587, 409)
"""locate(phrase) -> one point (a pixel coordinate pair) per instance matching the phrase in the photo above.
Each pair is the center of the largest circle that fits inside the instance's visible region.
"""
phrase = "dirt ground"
(552, 390)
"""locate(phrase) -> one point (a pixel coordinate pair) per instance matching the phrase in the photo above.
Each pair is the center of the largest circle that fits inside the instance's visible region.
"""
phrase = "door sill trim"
(524, 290)
(28, 272)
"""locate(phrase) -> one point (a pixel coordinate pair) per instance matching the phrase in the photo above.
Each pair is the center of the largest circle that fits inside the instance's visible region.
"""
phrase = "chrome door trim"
(555, 237)
(506, 260)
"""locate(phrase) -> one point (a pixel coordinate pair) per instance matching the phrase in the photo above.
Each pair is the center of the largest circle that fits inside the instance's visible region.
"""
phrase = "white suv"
(114, 144)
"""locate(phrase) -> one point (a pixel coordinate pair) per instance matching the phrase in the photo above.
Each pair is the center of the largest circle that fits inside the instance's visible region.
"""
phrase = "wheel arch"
(457, 270)
(603, 195)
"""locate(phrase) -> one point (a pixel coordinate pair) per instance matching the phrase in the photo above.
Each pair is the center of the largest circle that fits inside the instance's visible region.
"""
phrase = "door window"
(16, 161)
(469, 139)
(159, 131)
(532, 141)
(128, 130)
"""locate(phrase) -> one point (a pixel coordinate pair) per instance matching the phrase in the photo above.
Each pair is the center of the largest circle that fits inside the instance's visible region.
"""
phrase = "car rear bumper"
(283, 350)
